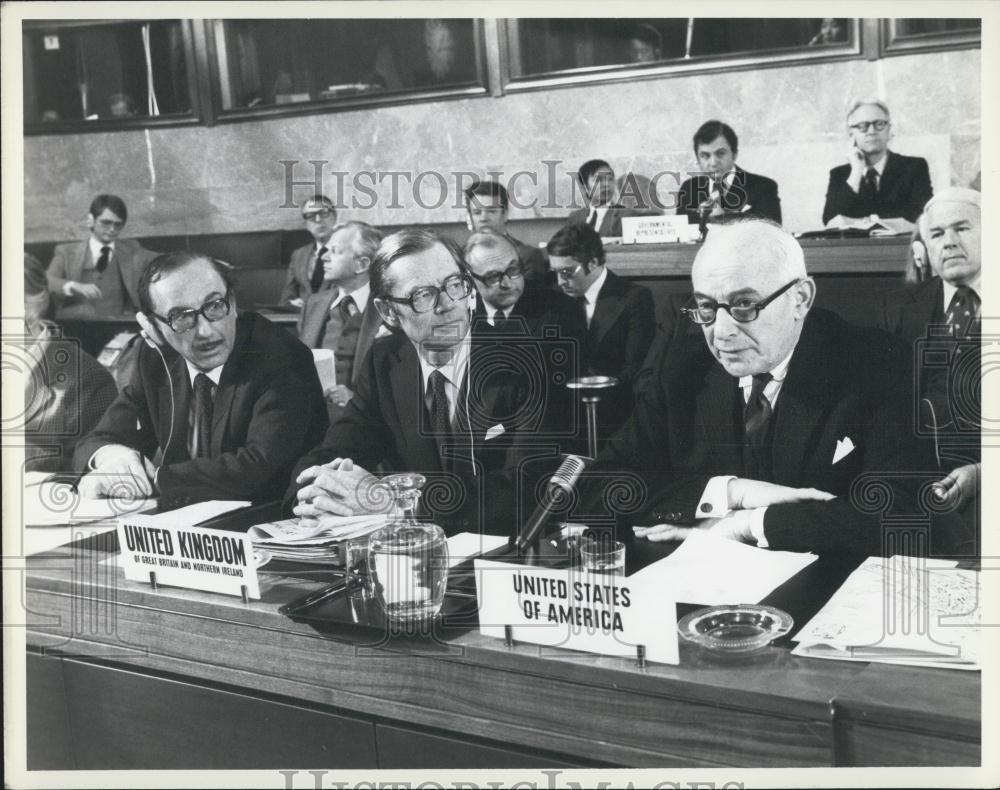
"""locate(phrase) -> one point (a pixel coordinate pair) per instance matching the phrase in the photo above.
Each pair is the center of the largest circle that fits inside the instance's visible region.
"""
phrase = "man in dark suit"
(341, 315)
(940, 320)
(427, 400)
(487, 203)
(305, 269)
(618, 316)
(773, 422)
(724, 188)
(604, 214)
(99, 278)
(220, 407)
(875, 180)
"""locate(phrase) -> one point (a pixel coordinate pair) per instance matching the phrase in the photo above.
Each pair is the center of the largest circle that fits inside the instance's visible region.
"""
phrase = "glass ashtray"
(261, 558)
(735, 629)
(592, 383)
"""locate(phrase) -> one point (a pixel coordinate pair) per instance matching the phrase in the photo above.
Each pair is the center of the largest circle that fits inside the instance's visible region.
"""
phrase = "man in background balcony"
(99, 278)
(305, 270)
(487, 203)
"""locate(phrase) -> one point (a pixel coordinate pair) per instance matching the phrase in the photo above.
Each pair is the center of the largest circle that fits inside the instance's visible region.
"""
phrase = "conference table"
(124, 676)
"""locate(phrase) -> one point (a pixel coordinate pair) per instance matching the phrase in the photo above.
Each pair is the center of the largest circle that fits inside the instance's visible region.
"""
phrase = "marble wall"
(230, 178)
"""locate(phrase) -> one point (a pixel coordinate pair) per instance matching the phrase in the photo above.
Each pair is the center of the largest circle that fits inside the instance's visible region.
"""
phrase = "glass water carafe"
(408, 559)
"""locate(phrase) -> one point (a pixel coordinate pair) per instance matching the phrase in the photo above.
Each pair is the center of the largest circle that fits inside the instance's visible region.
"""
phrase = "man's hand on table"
(118, 471)
(340, 488)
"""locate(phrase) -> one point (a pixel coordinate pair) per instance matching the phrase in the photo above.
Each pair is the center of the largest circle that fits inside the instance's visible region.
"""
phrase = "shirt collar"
(879, 166)
(949, 289)
(359, 295)
(777, 372)
(455, 370)
(214, 374)
(727, 178)
(595, 287)
(95, 248)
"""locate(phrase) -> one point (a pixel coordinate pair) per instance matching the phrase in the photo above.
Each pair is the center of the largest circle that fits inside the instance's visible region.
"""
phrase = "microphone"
(557, 493)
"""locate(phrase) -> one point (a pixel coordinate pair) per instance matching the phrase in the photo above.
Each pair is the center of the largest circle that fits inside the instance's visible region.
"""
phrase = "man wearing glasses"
(487, 203)
(774, 422)
(99, 278)
(305, 269)
(219, 406)
(875, 180)
(426, 401)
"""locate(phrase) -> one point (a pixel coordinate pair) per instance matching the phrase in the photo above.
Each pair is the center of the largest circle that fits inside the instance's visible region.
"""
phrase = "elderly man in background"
(762, 417)
(219, 405)
(875, 180)
(305, 269)
(941, 318)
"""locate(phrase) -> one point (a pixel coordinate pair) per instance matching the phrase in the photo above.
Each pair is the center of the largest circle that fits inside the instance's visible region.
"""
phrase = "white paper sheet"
(711, 570)
(471, 544)
(199, 512)
(57, 504)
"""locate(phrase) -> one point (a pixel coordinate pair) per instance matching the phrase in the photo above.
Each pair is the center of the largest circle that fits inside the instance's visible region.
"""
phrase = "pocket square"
(494, 432)
(844, 448)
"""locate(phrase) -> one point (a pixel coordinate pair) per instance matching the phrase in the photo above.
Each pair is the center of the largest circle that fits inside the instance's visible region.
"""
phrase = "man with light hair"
(875, 180)
(941, 318)
(764, 421)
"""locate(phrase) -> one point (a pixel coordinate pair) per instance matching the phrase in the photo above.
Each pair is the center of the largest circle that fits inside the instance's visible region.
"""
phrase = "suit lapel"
(230, 382)
(718, 424)
(405, 381)
(313, 317)
(609, 307)
(370, 322)
(890, 175)
(176, 449)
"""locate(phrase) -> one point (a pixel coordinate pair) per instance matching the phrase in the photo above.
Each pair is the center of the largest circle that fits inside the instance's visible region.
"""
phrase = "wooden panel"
(400, 747)
(860, 744)
(49, 742)
(127, 720)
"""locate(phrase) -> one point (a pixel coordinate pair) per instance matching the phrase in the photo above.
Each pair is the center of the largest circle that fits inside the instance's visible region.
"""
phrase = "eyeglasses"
(425, 298)
(513, 272)
(864, 126)
(111, 224)
(743, 310)
(313, 216)
(568, 272)
(185, 320)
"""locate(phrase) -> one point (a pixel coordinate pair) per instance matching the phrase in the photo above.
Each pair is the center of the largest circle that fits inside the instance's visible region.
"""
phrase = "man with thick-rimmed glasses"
(305, 269)
(771, 421)
(875, 180)
(220, 405)
(427, 400)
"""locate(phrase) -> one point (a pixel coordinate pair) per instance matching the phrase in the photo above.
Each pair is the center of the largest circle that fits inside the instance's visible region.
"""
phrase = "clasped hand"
(340, 488)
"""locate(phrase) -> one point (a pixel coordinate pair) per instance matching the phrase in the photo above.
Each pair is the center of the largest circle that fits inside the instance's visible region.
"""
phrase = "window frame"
(348, 103)
(892, 44)
(194, 117)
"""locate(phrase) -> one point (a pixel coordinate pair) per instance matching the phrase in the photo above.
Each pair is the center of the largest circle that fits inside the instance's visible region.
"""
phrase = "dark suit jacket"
(904, 189)
(843, 382)
(534, 259)
(300, 268)
(619, 337)
(748, 189)
(386, 427)
(909, 313)
(68, 263)
(268, 410)
(611, 225)
(70, 393)
(312, 323)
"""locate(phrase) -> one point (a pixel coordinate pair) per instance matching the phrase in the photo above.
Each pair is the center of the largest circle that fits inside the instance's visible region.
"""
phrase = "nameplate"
(656, 230)
(184, 556)
(595, 613)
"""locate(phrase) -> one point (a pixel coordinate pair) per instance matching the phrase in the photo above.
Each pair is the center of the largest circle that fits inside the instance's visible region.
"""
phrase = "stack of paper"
(308, 540)
(900, 610)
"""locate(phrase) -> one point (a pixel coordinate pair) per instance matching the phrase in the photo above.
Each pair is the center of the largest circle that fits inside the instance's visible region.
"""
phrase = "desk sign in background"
(595, 613)
(185, 556)
(656, 230)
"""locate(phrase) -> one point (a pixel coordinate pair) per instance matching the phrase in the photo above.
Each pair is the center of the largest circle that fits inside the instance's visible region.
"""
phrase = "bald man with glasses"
(768, 419)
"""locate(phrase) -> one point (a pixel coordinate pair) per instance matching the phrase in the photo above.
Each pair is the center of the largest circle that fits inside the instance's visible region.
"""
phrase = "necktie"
(348, 309)
(592, 219)
(316, 280)
(756, 416)
(102, 262)
(203, 414)
(440, 421)
(581, 307)
(963, 312)
(869, 191)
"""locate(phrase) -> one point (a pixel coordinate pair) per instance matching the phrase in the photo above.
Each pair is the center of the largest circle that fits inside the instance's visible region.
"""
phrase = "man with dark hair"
(618, 316)
(99, 278)
(604, 213)
(875, 180)
(723, 187)
(427, 400)
(219, 406)
(645, 44)
(487, 203)
(305, 269)
(773, 422)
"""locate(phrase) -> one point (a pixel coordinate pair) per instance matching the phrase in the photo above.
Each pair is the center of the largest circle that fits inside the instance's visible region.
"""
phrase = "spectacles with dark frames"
(425, 298)
(743, 310)
(513, 272)
(568, 272)
(864, 126)
(181, 321)
(312, 216)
